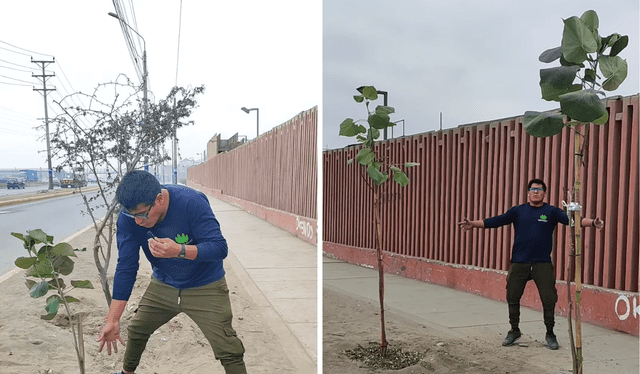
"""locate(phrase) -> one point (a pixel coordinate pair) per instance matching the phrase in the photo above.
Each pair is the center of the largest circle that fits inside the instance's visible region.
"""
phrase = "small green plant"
(378, 168)
(47, 264)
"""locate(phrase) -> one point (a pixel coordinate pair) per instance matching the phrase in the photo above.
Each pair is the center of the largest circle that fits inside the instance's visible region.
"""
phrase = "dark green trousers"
(208, 306)
(544, 277)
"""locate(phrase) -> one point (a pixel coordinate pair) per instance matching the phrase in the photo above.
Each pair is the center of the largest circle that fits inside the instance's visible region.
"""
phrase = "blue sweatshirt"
(189, 219)
(533, 238)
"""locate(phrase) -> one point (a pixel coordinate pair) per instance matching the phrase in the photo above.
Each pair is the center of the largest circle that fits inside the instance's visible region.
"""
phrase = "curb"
(43, 196)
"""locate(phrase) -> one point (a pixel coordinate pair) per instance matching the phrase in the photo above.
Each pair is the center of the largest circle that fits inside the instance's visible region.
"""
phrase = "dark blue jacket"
(190, 214)
(533, 238)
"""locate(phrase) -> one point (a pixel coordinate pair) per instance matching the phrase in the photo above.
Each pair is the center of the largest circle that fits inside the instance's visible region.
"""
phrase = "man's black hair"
(537, 181)
(138, 187)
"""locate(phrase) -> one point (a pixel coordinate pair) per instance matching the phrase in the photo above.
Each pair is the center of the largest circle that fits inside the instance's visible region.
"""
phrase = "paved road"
(59, 217)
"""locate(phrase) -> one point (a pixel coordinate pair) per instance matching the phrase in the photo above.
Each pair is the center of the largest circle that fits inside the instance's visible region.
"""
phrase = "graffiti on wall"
(625, 308)
(305, 227)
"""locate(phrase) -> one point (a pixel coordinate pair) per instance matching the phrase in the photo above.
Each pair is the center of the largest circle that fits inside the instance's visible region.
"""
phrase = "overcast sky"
(247, 53)
(471, 60)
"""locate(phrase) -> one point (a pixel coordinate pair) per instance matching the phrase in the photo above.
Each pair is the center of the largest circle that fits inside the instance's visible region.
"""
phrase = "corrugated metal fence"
(481, 170)
(277, 170)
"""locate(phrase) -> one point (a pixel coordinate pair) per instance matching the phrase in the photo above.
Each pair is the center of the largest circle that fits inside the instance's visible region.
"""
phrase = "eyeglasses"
(536, 189)
(144, 215)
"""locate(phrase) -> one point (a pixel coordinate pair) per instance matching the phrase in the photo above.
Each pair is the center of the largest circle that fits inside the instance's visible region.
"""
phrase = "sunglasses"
(536, 189)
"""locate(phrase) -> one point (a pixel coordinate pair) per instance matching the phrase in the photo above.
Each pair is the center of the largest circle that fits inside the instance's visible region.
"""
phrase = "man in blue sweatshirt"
(180, 236)
(533, 224)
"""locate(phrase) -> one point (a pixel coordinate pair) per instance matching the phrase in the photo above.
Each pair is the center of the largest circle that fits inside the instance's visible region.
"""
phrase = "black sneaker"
(512, 338)
(552, 342)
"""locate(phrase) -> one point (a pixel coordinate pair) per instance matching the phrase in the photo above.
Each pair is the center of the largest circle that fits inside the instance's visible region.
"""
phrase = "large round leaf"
(542, 125)
(63, 249)
(619, 45)
(365, 156)
(379, 121)
(577, 40)
(350, 128)
(584, 106)
(63, 265)
(39, 289)
(590, 18)
(370, 92)
(614, 69)
(557, 81)
(25, 262)
(550, 55)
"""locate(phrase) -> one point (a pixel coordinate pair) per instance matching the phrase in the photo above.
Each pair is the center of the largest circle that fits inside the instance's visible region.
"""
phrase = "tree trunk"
(383, 335)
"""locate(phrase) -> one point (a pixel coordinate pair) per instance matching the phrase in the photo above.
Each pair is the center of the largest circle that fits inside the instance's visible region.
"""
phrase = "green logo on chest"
(182, 238)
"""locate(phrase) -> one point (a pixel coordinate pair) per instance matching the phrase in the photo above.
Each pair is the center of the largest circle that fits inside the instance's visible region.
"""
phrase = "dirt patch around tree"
(351, 323)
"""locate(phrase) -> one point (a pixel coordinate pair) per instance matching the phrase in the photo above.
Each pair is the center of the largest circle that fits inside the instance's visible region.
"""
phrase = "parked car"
(15, 184)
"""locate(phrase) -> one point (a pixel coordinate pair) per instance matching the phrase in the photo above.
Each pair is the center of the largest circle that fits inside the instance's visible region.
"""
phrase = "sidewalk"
(279, 271)
(469, 316)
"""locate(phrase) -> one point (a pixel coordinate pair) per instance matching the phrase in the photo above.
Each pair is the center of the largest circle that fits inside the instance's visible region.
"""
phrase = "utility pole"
(44, 89)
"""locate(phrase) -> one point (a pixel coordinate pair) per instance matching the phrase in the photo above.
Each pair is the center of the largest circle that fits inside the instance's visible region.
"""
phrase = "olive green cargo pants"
(208, 306)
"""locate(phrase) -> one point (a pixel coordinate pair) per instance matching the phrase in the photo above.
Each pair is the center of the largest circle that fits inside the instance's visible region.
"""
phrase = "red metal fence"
(277, 170)
(481, 170)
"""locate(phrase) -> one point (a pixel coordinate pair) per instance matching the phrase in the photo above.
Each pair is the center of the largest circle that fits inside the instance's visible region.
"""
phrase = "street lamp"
(401, 120)
(383, 93)
(144, 66)
(257, 118)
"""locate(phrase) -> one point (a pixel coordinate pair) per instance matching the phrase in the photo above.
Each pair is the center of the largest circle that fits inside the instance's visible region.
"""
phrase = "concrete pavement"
(279, 271)
(466, 315)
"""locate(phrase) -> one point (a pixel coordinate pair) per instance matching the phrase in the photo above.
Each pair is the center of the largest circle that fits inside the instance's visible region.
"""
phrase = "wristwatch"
(183, 252)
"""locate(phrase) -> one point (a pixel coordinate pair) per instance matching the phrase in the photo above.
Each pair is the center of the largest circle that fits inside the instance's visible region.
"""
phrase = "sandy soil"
(29, 345)
(349, 322)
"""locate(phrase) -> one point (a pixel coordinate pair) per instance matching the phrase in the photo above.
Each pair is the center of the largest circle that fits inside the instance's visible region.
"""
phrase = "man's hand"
(164, 248)
(465, 225)
(110, 336)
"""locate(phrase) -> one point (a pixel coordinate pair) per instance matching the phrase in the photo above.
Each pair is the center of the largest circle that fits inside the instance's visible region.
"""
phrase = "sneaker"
(512, 338)
(552, 342)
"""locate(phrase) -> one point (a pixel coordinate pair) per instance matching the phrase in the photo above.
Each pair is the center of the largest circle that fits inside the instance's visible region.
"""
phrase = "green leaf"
(381, 109)
(372, 135)
(365, 156)
(63, 249)
(401, 178)
(557, 81)
(376, 176)
(17, 235)
(550, 55)
(40, 236)
(82, 284)
(619, 45)
(63, 265)
(584, 106)
(350, 128)
(53, 303)
(602, 120)
(25, 262)
(577, 40)
(542, 125)
(379, 121)
(411, 164)
(590, 18)
(71, 299)
(358, 98)
(615, 70)
(48, 317)
(590, 75)
(39, 289)
(41, 269)
(369, 92)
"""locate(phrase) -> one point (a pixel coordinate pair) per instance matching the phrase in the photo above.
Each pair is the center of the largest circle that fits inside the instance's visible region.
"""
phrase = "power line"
(22, 49)
(16, 79)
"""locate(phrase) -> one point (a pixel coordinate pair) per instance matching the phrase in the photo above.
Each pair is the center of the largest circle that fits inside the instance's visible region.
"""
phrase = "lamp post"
(257, 118)
(383, 93)
(144, 65)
